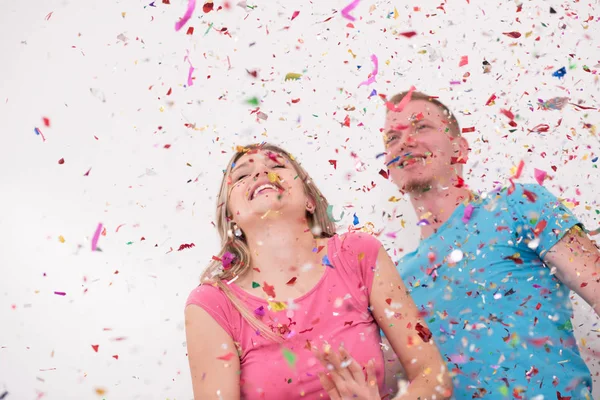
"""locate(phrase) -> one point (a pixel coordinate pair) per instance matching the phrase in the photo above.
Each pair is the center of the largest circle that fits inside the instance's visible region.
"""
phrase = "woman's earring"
(235, 231)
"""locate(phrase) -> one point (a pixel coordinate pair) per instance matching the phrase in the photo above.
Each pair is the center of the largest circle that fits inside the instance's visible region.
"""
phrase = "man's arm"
(576, 260)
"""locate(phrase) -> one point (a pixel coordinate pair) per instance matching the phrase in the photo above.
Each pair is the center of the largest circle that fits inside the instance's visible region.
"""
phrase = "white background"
(100, 70)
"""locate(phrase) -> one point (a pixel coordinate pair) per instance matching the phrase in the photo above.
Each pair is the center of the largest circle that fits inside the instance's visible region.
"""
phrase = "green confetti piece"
(568, 326)
(209, 28)
(330, 214)
(290, 357)
(503, 390)
(255, 285)
(253, 101)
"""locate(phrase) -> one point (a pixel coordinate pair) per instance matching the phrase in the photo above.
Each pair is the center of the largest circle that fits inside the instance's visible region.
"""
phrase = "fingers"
(354, 368)
(371, 377)
(329, 386)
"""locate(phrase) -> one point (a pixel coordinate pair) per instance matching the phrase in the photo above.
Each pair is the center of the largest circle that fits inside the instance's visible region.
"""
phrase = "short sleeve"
(360, 252)
(540, 219)
(212, 300)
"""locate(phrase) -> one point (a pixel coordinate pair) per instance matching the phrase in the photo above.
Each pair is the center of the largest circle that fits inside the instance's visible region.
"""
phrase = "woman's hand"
(346, 379)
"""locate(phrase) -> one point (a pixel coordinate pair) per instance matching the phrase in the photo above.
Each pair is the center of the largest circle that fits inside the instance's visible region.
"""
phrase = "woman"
(284, 284)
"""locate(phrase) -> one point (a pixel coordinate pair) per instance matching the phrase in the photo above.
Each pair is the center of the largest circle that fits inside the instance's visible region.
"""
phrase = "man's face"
(420, 146)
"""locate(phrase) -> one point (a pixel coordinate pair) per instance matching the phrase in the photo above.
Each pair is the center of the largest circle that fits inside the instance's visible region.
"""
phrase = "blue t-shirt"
(499, 317)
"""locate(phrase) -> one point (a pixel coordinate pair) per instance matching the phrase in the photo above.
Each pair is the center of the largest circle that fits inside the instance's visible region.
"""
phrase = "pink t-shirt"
(336, 310)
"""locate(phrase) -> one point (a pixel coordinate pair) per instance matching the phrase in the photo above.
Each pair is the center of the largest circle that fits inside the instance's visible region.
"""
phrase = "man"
(492, 272)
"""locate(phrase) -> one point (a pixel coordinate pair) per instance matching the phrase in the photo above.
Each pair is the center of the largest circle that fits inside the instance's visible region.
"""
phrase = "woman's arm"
(408, 335)
(214, 361)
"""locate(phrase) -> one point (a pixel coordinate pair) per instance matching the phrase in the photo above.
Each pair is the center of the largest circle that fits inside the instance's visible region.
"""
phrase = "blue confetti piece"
(37, 131)
(380, 155)
(594, 159)
(559, 73)
(326, 261)
(393, 161)
(373, 93)
(355, 222)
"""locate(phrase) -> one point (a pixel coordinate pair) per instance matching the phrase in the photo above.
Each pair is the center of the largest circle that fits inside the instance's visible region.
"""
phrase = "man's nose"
(407, 139)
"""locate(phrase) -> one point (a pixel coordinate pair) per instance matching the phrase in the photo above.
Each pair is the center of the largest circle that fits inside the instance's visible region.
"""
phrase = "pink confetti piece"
(372, 75)
(186, 17)
(467, 214)
(96, 237)
(227, 259)
(295, 14)
(346, 10)
(60, 293)
(539, 175)
(190, 82)
(464, 60)
(400, 106)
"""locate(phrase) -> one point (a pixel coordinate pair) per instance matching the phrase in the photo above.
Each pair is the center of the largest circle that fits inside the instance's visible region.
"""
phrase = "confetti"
(539, 175)
(424, 332)
(559, 73)
(555, 103)
(330, 214)
(372, 75)
(464, 60)
(292, 76)
(188, 14)
(346, 10)
(269, 290)
(468, 213)
(96, 237)
(295, 14)
(514, 35)
(290, 357)
(208, 7)
(227, 259)
(190, 82)
(226, 357)
(400, 106)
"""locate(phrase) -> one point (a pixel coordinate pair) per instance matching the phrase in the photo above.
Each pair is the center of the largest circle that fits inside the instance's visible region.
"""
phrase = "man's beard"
(417, 186)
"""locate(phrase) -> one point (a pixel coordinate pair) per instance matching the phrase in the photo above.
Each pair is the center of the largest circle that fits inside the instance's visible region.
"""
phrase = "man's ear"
(461, 150)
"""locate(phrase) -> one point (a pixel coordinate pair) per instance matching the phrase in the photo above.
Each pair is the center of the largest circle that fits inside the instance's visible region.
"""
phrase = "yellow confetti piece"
(350, 51)
(277, 305)
(361, 256)
(100, 391)
(394, 199)
(292, 76)
(61, 239)
(273, 177)
(396, 15)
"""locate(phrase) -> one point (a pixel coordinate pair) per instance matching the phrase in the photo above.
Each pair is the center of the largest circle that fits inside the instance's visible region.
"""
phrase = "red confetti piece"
(467, 130)
(519, 170)
(408, 34)
(226, 357)
(61, 161)
(190, 31)
(95, 347)
(389, 301)
(491, 100)
(532, 197)
(116, 356)
(295, 14)
(539, 228)
(334, 163)
(60, 293)
(291, 281)
(294, 101)
(46, 122)
(268, 289)
(49, 15)
(424, 332)
(384, 174)
(208, 7)
(584, 284)
(508, 114)
(464, 60)
(186, 246)
(538, 342)
(541, 128)
(514, 35)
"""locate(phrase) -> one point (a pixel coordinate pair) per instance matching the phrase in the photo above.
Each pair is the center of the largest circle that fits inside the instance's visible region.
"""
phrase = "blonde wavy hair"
(215, 274)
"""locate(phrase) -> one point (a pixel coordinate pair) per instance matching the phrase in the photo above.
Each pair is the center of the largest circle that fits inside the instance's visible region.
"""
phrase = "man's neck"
(434, 206)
